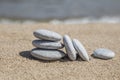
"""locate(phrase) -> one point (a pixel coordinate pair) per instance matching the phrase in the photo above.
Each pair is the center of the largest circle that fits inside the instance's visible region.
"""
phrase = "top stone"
(47, 35)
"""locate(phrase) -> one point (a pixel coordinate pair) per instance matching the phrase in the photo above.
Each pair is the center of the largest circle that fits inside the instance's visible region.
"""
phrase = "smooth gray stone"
(47, 35)
(69, 47)
(103, 53)
(47, 44)
(47, 54)
(80, 49)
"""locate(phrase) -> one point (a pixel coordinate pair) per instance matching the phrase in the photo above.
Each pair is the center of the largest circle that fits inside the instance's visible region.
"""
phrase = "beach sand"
(16, 63)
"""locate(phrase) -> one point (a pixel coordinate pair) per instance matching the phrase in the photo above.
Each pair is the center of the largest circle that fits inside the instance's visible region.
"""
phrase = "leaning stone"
(81, 50)
(69, 47)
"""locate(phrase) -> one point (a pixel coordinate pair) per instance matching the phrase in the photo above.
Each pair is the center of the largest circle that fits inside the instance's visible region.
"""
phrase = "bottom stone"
(47, 54)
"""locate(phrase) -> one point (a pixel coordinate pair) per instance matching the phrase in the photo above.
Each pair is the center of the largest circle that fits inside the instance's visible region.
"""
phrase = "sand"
(16, 63)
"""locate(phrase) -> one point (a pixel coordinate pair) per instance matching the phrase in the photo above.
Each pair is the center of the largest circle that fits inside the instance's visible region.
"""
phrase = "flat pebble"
(69, 47)
(47, 35)
(103, 53)
(43, 44)
(80, 49)
(47, 54)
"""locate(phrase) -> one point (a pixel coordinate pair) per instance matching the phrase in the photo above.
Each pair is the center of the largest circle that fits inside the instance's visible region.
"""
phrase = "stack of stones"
(48, 45)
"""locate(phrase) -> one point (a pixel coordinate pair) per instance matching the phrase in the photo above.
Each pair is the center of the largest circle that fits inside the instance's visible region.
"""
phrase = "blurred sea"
(61, 11)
